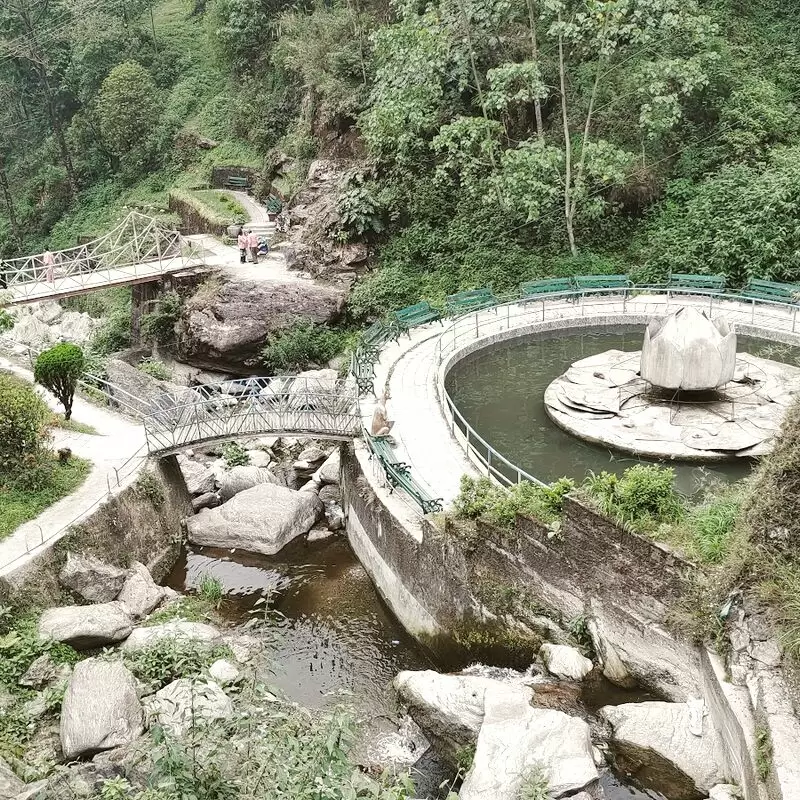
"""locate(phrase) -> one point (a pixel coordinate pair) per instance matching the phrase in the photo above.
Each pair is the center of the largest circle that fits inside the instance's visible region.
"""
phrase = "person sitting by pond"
(381, 424)
(252, 244)
(241, 241)
(49, 261)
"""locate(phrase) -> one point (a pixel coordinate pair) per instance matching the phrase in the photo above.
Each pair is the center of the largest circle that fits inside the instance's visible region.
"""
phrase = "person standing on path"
(252, 243)
(49, 266)
(241, 241)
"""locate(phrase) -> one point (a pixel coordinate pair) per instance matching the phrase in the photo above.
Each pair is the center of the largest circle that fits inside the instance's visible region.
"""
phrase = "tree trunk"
(9, 203)
(568, 206)
(537, 103)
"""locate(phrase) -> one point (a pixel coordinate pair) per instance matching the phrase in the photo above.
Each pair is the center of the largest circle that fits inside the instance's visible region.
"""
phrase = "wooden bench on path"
(697, 284)
(470, 300)
(596, 284)
(237, 183)
(771, 290)
(532, 289)
(411, 316)
(399, 474)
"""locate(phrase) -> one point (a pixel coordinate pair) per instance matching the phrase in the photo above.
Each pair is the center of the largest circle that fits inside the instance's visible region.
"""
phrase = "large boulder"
(141, 393)
(670, 747)
(91, 578)
(32, 332)
(180, 705)
(238, 479)
(85, 627)
(101, 708)
(199, 478)
(76, 327)
(448, 708)
(140, 593)
(226, 327)
(10, 784)
(314, 215)
(517, 743)
(260, 520)
(565, 662)
(150, 636)
(328, 473)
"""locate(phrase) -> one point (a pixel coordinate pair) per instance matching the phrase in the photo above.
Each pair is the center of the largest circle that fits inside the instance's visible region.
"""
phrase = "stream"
(333, 639)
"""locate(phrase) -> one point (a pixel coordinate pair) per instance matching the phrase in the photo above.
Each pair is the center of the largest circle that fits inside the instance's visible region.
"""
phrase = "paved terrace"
(414, 368)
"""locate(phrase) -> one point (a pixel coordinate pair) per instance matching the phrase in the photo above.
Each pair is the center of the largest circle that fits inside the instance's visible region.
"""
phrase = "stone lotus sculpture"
(688, 351)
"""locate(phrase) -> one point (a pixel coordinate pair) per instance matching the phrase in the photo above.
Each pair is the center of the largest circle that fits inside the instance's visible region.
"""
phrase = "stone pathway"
(117, 453)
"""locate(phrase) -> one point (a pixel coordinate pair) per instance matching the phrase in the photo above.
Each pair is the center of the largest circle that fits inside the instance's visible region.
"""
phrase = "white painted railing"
(139, 247)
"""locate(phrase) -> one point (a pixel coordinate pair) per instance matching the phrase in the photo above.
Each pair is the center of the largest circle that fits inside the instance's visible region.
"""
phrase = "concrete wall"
(141, 523)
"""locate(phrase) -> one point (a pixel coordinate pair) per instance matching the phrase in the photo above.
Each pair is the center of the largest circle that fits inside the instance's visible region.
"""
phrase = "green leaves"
(24, 426)
(513, 83)
(59, 369)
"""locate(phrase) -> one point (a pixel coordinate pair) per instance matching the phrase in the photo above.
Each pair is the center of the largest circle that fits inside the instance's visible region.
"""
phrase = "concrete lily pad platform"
(603, 399)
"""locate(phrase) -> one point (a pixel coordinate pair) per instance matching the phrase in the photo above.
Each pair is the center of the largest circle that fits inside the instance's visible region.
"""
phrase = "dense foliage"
(59, 369)
(491, 141)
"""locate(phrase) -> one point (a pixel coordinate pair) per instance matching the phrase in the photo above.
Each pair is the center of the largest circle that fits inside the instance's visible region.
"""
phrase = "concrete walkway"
(117, 453)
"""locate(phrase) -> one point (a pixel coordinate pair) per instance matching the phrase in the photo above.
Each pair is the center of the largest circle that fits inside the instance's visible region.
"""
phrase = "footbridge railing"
(297, 406)
(140, 247)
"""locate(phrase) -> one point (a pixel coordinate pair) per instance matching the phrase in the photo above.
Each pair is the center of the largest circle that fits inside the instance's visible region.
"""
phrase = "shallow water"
(515, 376)
(336, 639)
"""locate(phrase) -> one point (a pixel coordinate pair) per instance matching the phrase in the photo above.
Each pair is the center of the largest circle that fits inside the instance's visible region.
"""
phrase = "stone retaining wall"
(140, 523)
(619, 583)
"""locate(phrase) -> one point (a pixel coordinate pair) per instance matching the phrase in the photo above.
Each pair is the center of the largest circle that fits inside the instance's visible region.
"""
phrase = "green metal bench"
(363, 369)
(400, 475)
(235, 182)
(470, 300)
(771, 290)
(376, 336)
(698, 284)
(418, 314)
(598, 283)
(547, 286)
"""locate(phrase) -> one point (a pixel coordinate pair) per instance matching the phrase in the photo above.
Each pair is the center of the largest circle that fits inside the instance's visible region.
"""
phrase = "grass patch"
(191, 608)
(763, 752)
(781, 592)
(155, 369)
(221, 202)
(73, 425)
(304, 345)
(18, 505)
(481, 498)
(642, 499)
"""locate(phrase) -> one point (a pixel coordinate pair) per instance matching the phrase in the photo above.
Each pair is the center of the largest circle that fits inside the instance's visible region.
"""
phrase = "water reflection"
(335, 640)
(515, 423)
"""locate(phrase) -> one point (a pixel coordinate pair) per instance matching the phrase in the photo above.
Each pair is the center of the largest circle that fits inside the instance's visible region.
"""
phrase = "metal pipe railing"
(476, 325)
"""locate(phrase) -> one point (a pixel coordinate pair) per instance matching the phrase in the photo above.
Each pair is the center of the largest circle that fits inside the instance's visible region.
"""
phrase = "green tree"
(59, 369)
(128, 109)
(24, 424)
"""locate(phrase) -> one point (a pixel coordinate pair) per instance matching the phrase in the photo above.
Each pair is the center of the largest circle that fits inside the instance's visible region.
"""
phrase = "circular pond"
(500, 392)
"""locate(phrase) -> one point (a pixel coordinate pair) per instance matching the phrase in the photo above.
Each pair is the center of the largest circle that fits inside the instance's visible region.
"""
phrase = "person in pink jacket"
(252, 243)
(241, 241)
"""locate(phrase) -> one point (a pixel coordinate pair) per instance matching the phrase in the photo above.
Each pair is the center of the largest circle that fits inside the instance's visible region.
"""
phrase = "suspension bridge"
(138, 250)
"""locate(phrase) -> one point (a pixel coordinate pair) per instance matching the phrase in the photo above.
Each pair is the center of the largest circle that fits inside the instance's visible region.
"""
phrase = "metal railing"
(256, 406)
(766, 315)
(139, 247)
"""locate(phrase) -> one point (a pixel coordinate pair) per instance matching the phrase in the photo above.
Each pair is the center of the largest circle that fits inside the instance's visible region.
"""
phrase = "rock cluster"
(251, 507)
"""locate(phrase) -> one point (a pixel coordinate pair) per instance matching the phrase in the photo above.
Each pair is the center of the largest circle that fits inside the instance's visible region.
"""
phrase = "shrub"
(211, 590)
(301, 346)
(481, 498)
(59, 369)
(235, 455)
(24, 426)
(168, 660)
(155, 369)
(159, 324)
(711, 524)
(643, 498)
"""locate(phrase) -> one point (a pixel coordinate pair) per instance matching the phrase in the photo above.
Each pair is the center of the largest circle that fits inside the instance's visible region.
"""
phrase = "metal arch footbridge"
(286, 405)
(138, 250)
